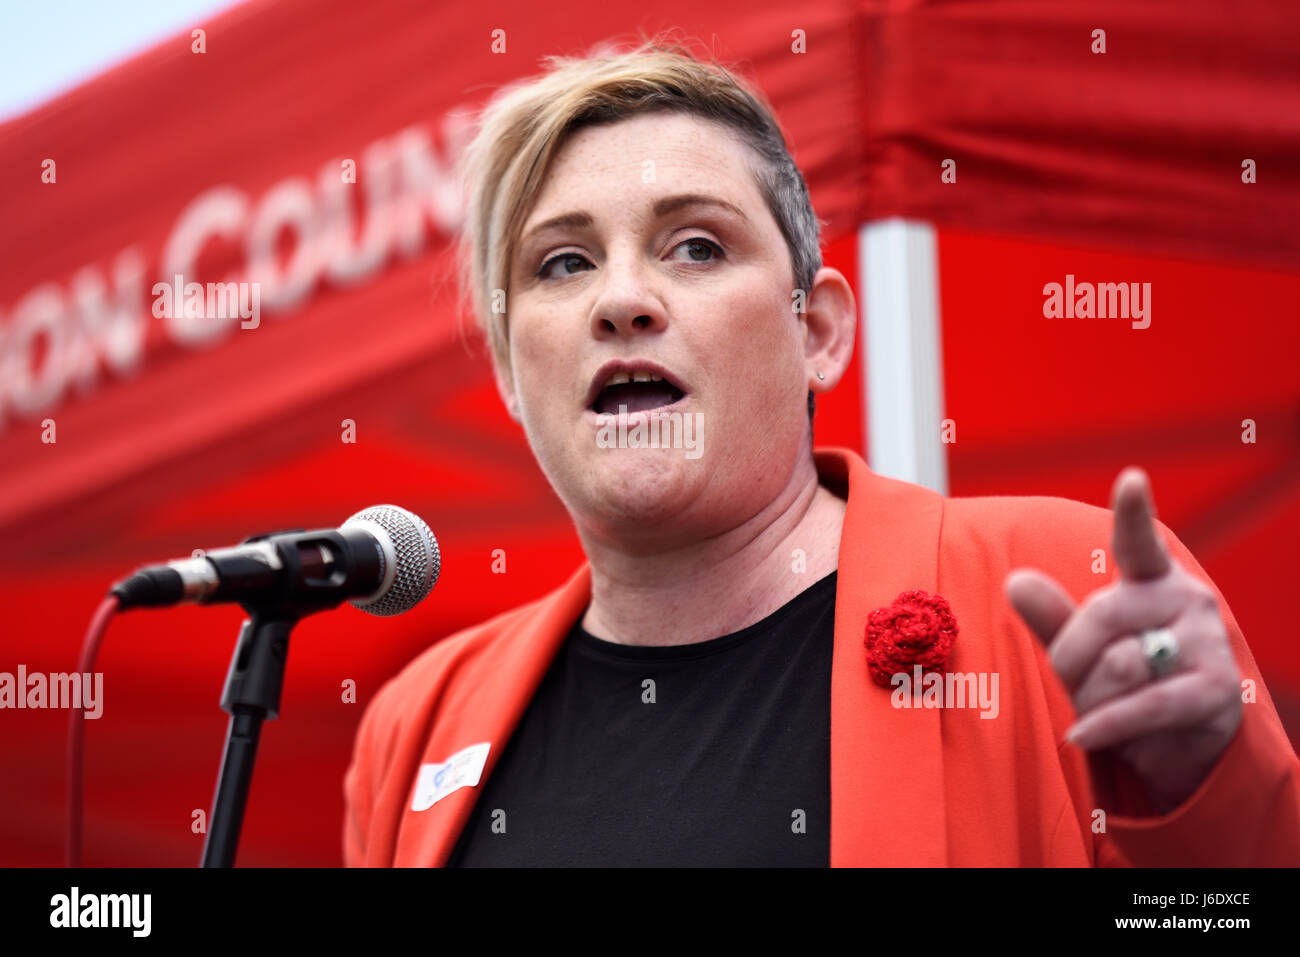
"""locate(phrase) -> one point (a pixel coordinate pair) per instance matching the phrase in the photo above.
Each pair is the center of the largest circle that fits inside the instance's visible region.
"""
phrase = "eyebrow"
(662, 207)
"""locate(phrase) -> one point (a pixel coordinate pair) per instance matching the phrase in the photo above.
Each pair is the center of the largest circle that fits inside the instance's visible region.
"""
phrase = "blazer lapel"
(887, 794)
(486, 707)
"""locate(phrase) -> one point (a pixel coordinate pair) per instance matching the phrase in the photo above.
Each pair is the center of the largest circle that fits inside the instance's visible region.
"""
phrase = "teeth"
(622, 378)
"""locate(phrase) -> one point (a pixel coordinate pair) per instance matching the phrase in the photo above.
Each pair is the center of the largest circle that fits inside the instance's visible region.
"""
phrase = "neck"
(718, 586)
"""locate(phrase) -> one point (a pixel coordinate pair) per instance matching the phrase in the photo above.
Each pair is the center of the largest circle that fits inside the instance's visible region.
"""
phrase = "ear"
(506, 389)
(830, 325)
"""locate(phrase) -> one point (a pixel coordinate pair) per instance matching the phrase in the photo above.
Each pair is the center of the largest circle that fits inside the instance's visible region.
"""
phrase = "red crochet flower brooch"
(917, 629)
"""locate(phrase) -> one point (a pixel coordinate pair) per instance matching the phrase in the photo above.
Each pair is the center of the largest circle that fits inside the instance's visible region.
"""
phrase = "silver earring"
(821, 375)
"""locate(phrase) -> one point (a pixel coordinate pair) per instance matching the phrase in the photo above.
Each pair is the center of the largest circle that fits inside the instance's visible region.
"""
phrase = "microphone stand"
(252, 695)
(255, 681)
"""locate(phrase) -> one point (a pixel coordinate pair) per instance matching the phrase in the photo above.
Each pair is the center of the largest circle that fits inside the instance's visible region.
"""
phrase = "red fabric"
(1061, 407)
(1139, 148)
(909, 786)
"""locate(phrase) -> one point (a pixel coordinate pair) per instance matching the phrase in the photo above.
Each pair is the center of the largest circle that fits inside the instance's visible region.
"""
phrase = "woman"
(774, 655)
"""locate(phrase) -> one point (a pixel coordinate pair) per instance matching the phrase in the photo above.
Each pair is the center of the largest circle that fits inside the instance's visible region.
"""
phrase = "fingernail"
(1074, 735)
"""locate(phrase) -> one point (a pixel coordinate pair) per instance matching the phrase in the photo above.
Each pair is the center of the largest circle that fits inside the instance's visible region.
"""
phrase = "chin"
(627, 486)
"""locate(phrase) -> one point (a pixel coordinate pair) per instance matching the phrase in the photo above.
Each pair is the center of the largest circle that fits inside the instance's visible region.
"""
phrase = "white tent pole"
(898, 284)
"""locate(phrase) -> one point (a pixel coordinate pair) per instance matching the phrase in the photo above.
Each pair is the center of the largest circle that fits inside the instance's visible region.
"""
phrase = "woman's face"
(650, 253)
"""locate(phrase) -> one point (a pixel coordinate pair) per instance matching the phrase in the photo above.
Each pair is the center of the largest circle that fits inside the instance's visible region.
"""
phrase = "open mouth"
(633, 390)
(636, 396)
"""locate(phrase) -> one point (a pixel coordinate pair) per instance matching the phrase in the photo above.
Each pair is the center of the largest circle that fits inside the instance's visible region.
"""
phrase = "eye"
(697, 246)
(568, 259)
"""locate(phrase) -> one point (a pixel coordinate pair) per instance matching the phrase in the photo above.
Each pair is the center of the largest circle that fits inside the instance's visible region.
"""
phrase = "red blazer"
(928, 786)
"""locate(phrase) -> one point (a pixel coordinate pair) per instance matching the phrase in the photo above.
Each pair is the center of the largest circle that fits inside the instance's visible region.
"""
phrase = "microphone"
(383, 559)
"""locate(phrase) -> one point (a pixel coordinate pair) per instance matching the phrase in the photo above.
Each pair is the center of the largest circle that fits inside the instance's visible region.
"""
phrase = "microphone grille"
(418, 560)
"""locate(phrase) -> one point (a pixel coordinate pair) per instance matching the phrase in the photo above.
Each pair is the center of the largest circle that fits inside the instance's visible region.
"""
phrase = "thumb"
(1040, 601)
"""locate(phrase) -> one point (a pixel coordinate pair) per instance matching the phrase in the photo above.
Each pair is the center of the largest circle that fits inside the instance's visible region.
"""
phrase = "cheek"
(530, 349)
(762, 345)
(545, 370)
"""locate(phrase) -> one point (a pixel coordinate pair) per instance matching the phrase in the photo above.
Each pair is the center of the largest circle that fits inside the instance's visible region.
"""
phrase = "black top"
(713, 753)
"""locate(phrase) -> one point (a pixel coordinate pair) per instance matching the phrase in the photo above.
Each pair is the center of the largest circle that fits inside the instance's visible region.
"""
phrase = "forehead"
(648, 154)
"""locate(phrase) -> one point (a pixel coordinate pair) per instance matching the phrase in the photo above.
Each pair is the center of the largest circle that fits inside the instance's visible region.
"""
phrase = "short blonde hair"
(525, 124)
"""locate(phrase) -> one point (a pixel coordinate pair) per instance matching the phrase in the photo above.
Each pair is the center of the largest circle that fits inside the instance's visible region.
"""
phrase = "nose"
(627, 304)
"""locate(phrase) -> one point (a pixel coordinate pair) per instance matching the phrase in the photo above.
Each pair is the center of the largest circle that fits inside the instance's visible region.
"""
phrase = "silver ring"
(1160, 649)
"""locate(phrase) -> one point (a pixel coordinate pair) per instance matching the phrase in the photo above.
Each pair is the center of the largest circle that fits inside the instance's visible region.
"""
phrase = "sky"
(50, 46)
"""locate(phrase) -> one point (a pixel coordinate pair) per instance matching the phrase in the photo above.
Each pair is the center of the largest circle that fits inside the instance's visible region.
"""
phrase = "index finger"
(1139, 551)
